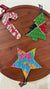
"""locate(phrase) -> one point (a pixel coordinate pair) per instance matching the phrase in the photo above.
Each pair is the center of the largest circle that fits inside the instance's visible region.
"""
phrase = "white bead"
(18, 36)
(13, 33)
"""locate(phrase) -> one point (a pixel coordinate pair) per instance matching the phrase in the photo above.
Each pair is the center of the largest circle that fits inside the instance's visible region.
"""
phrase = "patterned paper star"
(26, 61)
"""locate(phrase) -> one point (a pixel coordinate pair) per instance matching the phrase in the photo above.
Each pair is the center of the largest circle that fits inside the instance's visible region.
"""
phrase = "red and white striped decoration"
(9, 25)
(1, 10)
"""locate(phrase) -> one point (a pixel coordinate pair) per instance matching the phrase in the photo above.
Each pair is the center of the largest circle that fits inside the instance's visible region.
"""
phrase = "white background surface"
(44, 83)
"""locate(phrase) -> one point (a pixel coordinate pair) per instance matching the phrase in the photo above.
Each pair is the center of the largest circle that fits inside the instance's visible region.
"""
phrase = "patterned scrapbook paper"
(26, 61)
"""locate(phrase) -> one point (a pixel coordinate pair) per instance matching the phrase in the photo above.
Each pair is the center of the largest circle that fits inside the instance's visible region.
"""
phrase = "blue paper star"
(27, 62)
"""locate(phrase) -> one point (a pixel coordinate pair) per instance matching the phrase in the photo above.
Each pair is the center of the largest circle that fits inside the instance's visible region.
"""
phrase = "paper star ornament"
(26, 61)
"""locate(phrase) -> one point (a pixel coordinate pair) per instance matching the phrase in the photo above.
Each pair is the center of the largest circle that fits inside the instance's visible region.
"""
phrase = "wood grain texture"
(9, 45)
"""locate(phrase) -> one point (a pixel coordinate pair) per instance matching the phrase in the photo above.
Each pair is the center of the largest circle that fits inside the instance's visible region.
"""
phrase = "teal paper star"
(26, 61)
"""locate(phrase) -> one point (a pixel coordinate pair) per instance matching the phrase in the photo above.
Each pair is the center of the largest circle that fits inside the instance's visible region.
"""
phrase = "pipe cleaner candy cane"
(9, 25)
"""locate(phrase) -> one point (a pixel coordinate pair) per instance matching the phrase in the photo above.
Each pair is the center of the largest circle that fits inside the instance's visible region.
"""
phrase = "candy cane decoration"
(9, 25)
(1, 10)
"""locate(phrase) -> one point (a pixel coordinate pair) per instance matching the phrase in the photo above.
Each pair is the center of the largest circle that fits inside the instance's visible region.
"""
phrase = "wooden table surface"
(9, 45)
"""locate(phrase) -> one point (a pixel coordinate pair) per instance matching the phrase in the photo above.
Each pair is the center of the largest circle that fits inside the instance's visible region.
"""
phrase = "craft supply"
(9, 25)
(36, 33)
(3, 9)
(33, 27)
(38, 29)
(39, 19)
(41, 8)
(26, 61)
(43, 28)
